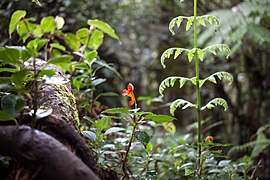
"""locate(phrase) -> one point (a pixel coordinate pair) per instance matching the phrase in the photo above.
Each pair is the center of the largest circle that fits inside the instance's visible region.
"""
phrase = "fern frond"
(216, 102)
(201, 19)
(170, 81)
(220, 75)
(259, 35)
(221, 47)
(167, 54)
(180, 103)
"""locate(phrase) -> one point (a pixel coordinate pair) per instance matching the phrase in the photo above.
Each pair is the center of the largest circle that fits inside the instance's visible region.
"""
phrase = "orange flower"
(129, 92)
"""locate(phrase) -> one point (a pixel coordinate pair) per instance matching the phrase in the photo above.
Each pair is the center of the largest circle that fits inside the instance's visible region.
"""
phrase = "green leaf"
(180, 103)
(37, 44)
(91, 55)
(5, 80)
(201, 21)
(117, 111)
(12, 70)
(60, 59)
(47, 24)
(5, 116)
(90, 135)
(15, 18)
(191, 54)
(89, 119)
(114, 130)
(142, 137)
(19, 77)
(170, 127)
(26, 54)
(189, 23)
(58, 46)
(72, 41)
(103, 122)
(10, 56)
(200, 54)
(216, 102)
(149, 147)
(104, 27)
(159, 118)
(46, 72)
(12, 104)
(96, 39)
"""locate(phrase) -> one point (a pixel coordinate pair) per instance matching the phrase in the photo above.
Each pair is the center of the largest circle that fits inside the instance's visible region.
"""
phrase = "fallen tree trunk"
(40, 153)
(62, 124)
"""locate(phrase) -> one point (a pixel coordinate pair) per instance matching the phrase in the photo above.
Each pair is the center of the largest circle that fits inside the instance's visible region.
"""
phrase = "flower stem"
(124, 165)
(199, 148)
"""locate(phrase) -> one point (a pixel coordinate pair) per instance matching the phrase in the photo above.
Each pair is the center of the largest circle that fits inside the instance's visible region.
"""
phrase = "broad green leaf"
(103, 122)
(72, 41)
(5, 116)
(19, 77)
(23, 30)
(60, 59)
(46, 72)
(12, 104)
(47, 24)
(82, 34)
(200, 54)
(104, 27)
(159, 118)
(59, 22)
(96, 39)
(26, 54)
(5, 80)
(37, 44)
(90, 135)
(114, 130)
(170, 127)
(12, 70)
(180, 103)
(58, 46)
(117, 111)
(91, 55)
(142, 137)
(15, 18)
(10, 56)
(38, 32)
(98, 81)
(216, 102)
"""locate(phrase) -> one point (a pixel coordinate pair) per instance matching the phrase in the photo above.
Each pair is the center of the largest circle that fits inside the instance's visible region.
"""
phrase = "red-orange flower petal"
(129, 92)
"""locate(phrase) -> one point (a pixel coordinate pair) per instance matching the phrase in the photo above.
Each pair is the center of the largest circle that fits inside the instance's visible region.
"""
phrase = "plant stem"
(127, 151)
(199, 149)
(35, 90)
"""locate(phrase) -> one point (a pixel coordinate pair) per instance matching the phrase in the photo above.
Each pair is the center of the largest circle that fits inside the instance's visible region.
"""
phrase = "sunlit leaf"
(72, 41)
(167, 54)
(90, 135)
(59, 22)
(104, 27)
(159, 118)
(15, 18)
(47, 24)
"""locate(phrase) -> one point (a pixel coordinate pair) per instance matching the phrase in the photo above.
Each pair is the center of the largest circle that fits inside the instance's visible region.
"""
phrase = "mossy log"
(62, 124)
